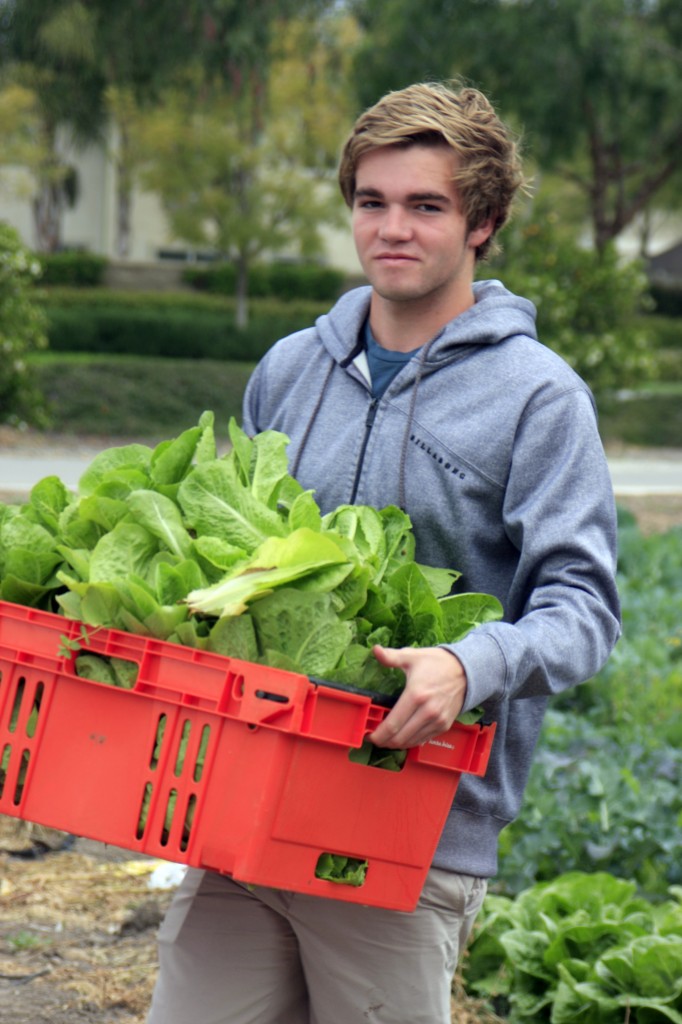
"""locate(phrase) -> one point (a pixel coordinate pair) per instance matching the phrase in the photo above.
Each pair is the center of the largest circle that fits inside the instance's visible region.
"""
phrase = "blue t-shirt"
(384, 363)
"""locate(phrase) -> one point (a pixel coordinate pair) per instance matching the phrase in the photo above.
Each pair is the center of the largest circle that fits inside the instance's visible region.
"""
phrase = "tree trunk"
(48, 205)
(123, 218)
(124, 194)
(242, 318)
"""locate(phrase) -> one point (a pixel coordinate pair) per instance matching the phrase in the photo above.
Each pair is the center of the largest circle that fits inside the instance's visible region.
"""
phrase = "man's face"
(411, 238)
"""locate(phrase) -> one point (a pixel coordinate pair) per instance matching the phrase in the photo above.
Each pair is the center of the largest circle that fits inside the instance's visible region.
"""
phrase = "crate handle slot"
(182, 748)
(340, 869)
(16, 705)
(158, 740)
(168, 816)
(4, 766)
(201, 754)
(143, 816)
(279, 698)
(21, 778)
(188, 822)
(280, 703)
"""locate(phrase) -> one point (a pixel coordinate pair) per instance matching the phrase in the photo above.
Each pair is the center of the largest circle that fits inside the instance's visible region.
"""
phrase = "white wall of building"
(91, 224)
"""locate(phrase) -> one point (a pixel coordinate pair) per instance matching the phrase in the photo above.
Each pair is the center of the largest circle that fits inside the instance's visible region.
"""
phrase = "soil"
(77, 929)
(78, 918)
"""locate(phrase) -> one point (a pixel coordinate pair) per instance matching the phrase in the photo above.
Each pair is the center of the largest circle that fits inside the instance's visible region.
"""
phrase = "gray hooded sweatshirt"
(489, 441)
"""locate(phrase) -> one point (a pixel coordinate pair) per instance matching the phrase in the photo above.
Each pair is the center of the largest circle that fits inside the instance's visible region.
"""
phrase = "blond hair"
(488, 167)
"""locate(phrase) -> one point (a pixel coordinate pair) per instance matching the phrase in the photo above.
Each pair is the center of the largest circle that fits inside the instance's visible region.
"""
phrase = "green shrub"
(605, 790)
(148, 332)
(82, 269)
(667, 299)
(641, 684)
(664, 331)
(137, 397)
(597, 800)
(284, 281)
(169, 326)
(649, 417)
(22, 331)
(589, 304)
(66, 297)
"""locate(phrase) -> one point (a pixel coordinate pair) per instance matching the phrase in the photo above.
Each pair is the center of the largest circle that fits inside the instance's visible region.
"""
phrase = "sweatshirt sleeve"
(250, 402)
(559, 512)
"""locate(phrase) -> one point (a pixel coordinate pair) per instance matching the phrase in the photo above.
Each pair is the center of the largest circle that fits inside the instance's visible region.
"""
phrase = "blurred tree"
(141, 46)
(50, 47)
(595, 83)
(418, 40)
(22, 331)
(238, 198)
(18, 125)
(309, 91)
(589, 303)
(240, 153)
(612, 121)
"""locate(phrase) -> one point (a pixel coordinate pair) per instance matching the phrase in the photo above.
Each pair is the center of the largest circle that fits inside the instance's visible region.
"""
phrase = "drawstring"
(410, 416)
(313, 417)
(359, 346)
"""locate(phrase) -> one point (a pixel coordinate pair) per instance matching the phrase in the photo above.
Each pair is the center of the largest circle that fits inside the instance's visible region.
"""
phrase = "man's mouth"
(395, 257)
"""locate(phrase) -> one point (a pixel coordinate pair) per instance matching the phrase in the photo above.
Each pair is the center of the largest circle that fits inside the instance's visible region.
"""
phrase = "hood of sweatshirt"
(496, 314)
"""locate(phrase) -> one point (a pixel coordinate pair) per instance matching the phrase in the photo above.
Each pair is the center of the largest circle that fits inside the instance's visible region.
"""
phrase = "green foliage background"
(22, 331)
(589, 304)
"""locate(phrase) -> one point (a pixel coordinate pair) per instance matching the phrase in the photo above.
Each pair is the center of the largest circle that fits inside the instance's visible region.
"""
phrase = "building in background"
(90, 225)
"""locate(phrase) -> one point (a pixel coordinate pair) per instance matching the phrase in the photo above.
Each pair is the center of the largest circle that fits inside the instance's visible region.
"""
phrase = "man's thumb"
(387, 656)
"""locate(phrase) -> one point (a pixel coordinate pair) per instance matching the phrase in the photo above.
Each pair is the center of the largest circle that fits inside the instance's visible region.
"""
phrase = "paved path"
(646, 475)
(631, 474)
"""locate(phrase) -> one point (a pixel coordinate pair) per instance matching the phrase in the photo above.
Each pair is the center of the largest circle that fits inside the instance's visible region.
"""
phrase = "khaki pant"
(232, 955)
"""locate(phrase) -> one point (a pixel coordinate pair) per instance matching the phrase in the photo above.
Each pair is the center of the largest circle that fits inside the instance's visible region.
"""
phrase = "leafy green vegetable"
(230, 554)
(580, 948)
(334, 867)
(276, 562)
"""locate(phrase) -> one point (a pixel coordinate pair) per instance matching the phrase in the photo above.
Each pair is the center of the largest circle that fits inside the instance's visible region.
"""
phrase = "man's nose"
(395, 225)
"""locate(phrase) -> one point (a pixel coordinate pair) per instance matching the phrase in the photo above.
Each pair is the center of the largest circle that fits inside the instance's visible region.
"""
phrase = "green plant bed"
(64, 297)
(174, 325)
(580, 949)
(128, 396)
(651, 417)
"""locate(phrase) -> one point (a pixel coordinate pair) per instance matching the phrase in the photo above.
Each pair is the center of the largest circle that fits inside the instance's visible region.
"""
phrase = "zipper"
(369, 423)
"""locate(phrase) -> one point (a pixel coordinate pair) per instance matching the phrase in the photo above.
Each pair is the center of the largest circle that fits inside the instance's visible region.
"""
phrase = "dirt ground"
(77, 930)
(78, 923)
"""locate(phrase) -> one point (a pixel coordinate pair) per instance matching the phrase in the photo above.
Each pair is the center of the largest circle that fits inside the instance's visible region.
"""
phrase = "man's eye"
(429, 208)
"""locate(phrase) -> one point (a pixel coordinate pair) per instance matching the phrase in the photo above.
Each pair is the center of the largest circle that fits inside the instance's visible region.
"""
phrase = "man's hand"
(434, 693)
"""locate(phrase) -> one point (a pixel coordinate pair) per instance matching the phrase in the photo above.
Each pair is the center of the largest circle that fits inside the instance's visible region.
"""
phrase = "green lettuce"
(582, 949)
(228, 553)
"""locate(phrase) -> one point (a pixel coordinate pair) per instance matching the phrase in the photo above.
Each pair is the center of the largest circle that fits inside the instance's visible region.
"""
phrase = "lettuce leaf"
(229, 553)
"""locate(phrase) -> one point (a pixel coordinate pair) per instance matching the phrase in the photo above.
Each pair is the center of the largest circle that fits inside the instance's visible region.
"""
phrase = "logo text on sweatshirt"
(437, 457)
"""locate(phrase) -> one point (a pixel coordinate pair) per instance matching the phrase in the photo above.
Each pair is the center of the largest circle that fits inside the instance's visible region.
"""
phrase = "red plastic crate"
(239, 768)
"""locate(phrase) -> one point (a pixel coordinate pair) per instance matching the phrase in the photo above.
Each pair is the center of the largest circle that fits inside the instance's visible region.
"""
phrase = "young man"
(431, 392)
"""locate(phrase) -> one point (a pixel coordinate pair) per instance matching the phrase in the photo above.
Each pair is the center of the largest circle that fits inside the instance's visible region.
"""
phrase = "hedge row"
(274, 280)
(172, 329)
(81, 269)
(286, 281)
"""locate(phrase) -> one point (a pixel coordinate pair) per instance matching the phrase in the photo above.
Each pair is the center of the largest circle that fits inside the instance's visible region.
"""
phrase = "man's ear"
(481, 234)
